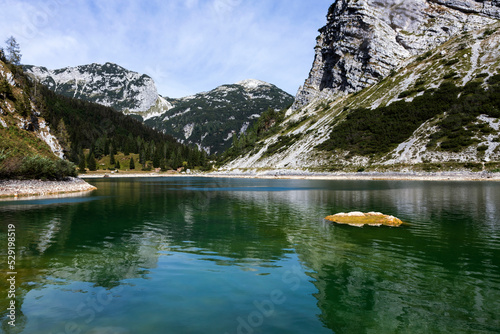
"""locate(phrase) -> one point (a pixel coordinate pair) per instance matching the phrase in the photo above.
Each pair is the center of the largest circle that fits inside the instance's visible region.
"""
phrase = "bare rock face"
(364, 40)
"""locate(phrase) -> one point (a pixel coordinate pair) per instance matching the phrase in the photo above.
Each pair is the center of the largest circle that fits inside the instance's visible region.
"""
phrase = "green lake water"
(208, 255)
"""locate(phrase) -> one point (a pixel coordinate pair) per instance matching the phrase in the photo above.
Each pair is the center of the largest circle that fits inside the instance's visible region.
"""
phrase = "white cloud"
(187, 46)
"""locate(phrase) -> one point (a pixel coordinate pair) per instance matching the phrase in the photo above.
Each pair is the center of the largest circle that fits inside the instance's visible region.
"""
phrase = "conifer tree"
(142, 157)
(163, 164)
(157, 159)
(13, 51)
(132, 163)
(63, 136)
(5, 89)
(91, 162)
(106, 147)
(81, 163)
(117, 165)
(111, 157)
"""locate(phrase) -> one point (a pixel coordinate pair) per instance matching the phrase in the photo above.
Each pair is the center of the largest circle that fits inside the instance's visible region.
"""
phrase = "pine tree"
(63, 136)
(163, 164)
(126, 149)
(106, 147)
(23, 106)
(132, 163)
(13, 51)
(117, 165)
(111, 157)
(5, 89)
(142, 157)
(174, 160)
(91, 162)
(157, 159)
(81, 163)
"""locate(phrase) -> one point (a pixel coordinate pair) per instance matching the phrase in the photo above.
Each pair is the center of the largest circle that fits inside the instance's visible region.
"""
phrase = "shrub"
(424, 56)
(482, 148)
(450, 75)
(406, 93)
(488, 32)
(451, 62)
(39, 167)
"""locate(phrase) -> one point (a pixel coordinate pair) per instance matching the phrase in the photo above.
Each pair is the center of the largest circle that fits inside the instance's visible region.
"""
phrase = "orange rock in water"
(360, 219)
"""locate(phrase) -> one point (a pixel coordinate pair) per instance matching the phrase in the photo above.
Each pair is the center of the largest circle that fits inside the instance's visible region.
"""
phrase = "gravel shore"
(408, 176)
(298, 174)
(18, 188)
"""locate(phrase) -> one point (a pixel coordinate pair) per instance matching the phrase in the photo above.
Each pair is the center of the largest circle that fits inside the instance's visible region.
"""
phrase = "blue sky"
(186, 46)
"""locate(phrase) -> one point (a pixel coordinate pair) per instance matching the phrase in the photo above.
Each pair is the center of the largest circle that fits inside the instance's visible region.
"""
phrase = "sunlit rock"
(360, 219)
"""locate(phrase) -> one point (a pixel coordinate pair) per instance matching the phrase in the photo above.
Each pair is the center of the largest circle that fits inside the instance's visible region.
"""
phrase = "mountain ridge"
(225, 111)
(136, 95)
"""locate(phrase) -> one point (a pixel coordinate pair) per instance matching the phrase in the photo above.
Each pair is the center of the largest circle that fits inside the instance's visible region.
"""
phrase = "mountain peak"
(252, 83)
(108, 84)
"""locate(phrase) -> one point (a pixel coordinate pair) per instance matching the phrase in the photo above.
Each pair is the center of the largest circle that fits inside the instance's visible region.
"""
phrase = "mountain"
(109, 84)
(207, 119)
(211, 119)
(395, 85)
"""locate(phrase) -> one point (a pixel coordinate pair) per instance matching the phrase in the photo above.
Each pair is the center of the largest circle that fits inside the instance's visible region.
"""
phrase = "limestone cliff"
(364, 40)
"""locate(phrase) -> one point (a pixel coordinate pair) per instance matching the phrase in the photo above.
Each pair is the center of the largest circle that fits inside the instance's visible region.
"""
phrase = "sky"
(186, 46)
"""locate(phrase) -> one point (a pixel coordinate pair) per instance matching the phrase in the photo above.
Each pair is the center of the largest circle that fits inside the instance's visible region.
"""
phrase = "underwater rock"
(360, 219)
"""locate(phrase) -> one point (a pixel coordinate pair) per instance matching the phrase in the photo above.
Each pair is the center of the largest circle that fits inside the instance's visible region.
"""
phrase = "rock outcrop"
(364, 40)
(360, 219)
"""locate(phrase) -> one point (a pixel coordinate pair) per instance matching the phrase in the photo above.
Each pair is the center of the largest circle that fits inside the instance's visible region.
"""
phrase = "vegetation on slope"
(103, 131)
(267, 124)
(22, 153)
(217, 115)
(380, 130)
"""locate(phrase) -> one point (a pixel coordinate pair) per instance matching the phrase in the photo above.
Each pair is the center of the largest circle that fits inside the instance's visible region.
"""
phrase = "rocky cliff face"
(364, 40)
(109, 84)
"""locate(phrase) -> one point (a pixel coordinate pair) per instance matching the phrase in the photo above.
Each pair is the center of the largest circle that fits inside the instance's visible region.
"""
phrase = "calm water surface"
(202, 255)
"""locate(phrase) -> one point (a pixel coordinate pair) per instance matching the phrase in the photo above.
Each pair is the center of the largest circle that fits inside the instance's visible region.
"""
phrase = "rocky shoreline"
(299, 174)
(404, 176)
(24, 188)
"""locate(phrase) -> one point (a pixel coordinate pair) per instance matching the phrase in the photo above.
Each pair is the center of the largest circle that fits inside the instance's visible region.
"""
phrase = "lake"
(221, 255)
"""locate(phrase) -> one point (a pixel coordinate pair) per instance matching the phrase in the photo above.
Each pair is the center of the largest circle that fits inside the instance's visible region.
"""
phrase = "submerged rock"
(360, 219)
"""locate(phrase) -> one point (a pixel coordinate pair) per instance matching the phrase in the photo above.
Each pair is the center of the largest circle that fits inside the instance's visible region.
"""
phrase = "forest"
(88, 132)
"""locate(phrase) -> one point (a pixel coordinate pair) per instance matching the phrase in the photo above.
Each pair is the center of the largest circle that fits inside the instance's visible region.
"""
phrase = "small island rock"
(360, 219)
